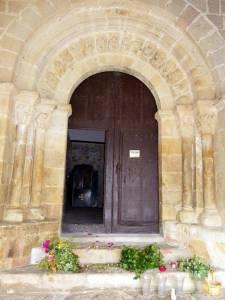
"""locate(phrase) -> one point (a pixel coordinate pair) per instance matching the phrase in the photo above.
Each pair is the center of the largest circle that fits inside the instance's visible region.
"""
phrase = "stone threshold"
(115, 238)
(106, 248)
(111, 255)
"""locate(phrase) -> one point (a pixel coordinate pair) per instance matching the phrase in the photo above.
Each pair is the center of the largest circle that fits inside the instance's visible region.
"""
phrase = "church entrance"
(112, 157)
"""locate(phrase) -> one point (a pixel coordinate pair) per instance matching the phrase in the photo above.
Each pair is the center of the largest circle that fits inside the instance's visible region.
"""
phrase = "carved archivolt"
(118, 45)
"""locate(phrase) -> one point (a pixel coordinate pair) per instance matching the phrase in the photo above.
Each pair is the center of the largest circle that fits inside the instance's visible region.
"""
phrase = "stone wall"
(48, 47)
(220, 159)
(203, 20)
(208, 243)
(17, 240)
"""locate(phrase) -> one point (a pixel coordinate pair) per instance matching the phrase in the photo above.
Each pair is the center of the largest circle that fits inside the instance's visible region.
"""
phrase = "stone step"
(122, 239)
(100, 253)
(106, 248)
(30, 282)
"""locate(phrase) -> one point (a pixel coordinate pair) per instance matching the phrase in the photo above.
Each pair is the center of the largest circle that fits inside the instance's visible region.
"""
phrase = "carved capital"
(206, 117)
(24, 106)
(220, 104)
(186, 120)
(66, 109)
(42, 114)
(164, 115)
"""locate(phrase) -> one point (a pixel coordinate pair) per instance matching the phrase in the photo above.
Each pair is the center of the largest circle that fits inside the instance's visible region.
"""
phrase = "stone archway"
(122, 109)
(141, 40)
(57, 78)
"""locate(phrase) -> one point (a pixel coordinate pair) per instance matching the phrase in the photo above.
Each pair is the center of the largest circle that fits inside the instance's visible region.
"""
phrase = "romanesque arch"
(174, 49)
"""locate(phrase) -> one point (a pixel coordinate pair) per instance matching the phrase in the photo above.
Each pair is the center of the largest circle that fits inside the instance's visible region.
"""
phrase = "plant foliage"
(59, 257)
(195, 266)
(138, 260)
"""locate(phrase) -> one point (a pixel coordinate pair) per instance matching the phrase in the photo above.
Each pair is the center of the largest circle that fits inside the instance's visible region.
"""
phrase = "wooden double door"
(125, 108)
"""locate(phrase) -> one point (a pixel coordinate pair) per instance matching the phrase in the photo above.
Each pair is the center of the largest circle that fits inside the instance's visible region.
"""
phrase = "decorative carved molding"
(65, 109)
(164, 114)
(42, 115)
(186, 120)
(24, 106)
(220, 104)
(206, 117)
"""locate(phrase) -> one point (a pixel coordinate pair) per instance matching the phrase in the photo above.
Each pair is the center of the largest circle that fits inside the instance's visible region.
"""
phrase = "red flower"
(162, 268)
(45, 245)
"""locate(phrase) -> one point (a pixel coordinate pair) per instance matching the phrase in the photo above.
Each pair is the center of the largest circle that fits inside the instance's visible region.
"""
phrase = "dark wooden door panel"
(125, 108)
(108, 184)
(93, 103)
(136, 200)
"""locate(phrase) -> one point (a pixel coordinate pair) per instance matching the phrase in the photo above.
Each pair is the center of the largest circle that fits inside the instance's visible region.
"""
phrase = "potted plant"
(59, 257)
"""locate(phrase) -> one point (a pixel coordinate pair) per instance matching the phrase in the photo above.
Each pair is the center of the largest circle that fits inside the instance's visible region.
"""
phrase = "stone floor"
(103, 295)
(90, 295)
(83, 215)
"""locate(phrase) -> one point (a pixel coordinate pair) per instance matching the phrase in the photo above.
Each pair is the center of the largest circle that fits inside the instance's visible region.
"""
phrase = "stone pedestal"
(188, 215)
(211, 218)
(35, 214)
(13, 215)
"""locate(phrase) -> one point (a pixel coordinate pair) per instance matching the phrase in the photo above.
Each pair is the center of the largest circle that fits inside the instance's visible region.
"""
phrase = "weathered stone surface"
(18, 240)
(94, 295)
(55, 45)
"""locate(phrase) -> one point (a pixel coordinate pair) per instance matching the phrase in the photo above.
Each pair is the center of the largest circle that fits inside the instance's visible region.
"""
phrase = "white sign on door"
(134, 153)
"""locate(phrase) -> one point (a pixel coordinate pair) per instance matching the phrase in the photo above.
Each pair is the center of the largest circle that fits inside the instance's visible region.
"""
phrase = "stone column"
(206, 120)
(24, 104)
(186, 117)
(41, 119)
(55, 159)
(7, 93)
(28, 167)
(170, 165)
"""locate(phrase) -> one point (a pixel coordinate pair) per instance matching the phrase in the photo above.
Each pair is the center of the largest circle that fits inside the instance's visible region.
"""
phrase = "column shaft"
(15, 195)
(187, 213)
(187, 145)
(38, 168)
(208, 172)
(24, 106)
(28, 168)
(207, 117)
(43, 114)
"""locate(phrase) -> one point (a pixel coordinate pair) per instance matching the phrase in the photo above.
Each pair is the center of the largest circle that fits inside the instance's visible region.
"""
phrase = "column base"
(35, 214)
(188, 216)
(14, 215)
(211, 218)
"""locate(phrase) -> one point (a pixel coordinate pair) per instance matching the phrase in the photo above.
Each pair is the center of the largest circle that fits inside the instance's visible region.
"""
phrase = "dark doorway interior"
(84, 201)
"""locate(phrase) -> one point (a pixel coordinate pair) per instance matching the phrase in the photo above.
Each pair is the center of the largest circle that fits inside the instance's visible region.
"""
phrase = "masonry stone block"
(200, 28)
